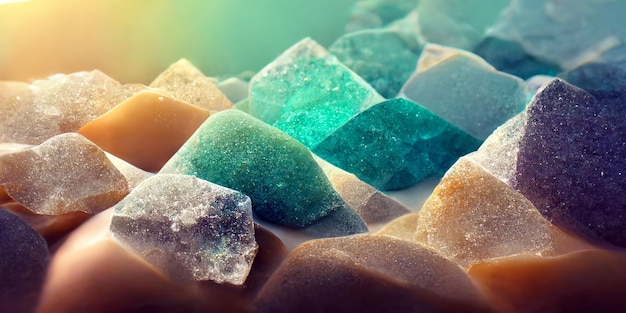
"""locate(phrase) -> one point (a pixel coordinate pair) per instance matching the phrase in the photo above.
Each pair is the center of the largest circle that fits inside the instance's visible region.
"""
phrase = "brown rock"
(146, 129)
(368, 273)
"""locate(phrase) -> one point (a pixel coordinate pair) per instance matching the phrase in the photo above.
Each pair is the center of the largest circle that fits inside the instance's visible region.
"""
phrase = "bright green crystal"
(308, 93)
(287, 187)
(395, 144)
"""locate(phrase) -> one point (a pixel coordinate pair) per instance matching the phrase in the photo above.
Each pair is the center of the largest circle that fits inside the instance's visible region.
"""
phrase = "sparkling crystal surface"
(278, 173)
(64, 174)
(188, 228)
(308, 93)
(395, 144)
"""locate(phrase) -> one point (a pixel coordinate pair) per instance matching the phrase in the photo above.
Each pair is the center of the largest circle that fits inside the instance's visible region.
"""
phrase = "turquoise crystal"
(459, 24)
(465, 90)
(308, 93)
(377, 13)
(395, 144)
(384, 57)
(287, 187)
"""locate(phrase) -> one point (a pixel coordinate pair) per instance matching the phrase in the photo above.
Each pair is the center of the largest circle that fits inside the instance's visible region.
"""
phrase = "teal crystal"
(395, 144)
(377, 13)
(287, 187)
(308, 93)
(460, 24)
(465, 90)
(384, 57)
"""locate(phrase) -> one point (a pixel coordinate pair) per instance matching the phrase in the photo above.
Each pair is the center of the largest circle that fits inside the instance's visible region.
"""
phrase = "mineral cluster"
(286, 190)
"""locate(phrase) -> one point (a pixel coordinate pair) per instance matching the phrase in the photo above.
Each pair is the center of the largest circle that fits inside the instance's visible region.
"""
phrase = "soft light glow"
(12, 1)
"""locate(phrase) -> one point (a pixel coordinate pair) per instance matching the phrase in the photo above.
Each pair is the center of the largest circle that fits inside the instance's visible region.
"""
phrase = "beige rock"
(146, 129)
(64, 174)
(185, 82)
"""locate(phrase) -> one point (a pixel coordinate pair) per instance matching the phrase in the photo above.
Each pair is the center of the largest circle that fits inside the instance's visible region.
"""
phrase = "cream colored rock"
(185, 82)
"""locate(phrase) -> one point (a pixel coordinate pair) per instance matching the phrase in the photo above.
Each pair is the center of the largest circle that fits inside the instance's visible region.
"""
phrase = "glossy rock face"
(145, 129)
(286, 185)
(66, 173)
(188, 228)
(570, 162)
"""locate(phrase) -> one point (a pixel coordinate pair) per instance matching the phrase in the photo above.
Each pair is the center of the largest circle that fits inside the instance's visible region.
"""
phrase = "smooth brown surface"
(146, 129)
(51, 227)
(368, 273)
(91, 272)
(582, 281)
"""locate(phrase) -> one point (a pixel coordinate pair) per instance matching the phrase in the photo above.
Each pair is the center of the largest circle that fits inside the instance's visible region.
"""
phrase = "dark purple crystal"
(571, 162)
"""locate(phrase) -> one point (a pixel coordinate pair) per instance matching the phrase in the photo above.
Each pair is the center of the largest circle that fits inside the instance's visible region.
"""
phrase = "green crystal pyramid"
(279, 174)
(308, 93)
(395, 144)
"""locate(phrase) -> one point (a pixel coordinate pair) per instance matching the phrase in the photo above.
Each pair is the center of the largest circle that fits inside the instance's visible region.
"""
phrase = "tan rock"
(146, 129)
(185, 82)
(362, 272)
(67, 173)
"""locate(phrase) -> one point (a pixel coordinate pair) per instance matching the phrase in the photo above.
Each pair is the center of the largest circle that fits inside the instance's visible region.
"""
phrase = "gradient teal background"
(134, 40)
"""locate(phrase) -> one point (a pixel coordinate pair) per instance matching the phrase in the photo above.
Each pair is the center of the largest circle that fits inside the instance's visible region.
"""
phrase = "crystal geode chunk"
(187, 83)
(145, 129)
(64, 174)
(308, 93)
(60, 104)
(465, 90)
(188, 228)
(571, 163)
(287, 187)
(395, 144)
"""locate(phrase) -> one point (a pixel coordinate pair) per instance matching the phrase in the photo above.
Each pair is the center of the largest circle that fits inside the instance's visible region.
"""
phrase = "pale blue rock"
(307, 93)
(459, 24)
(568, 33)
(465, 90)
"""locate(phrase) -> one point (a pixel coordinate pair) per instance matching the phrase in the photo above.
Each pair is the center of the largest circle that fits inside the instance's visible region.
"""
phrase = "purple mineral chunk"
(24, 257)
(572, 162)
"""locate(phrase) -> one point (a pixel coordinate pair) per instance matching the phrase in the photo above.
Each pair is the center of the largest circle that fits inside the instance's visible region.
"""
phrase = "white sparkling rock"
(60, 104)
(66, 173)
(188, 228)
